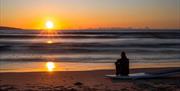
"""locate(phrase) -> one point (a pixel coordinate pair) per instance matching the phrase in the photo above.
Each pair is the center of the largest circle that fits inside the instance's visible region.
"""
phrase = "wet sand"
(84, 81)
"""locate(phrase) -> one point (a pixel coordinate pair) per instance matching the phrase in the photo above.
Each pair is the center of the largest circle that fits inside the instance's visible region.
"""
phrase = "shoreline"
(131, 70)
(84, 81)
(74, 66)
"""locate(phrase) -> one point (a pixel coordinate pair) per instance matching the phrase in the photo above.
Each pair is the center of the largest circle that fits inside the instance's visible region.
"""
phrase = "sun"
(49, 24)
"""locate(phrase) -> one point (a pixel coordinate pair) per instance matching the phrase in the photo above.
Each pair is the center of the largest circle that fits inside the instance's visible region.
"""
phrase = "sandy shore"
(84, 81)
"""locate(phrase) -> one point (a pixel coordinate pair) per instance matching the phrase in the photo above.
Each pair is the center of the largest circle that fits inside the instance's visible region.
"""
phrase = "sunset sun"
(49, 31)
(49, 24)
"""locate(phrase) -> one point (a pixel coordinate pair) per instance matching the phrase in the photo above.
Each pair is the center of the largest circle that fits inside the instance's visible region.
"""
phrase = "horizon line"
(98, 28)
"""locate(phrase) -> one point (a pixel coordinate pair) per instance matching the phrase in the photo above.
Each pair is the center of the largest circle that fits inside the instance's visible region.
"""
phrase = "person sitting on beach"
(122, 65)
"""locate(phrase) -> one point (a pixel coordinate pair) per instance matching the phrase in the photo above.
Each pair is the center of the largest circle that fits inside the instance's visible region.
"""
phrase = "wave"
(106, 46)
(99, 34)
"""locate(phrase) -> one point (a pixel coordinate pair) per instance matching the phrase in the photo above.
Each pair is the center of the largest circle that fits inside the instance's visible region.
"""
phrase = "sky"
(83, 14)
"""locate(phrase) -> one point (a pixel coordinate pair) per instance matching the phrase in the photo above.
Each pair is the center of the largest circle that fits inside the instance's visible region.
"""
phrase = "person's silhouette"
(122, 65)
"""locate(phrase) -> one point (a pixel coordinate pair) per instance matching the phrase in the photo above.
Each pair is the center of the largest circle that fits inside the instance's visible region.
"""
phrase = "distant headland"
(9, 28)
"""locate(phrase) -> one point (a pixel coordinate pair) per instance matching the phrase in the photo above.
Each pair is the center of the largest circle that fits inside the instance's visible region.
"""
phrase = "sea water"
(29, 50)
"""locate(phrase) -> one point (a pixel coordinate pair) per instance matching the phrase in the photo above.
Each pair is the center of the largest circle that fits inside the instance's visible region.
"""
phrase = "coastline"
(84, 81)
(75, 66)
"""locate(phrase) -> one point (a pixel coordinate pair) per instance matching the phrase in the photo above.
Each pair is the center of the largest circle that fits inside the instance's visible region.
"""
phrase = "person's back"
(122, 65)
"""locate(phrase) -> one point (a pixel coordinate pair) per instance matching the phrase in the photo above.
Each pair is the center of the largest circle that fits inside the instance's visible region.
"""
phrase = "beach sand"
(84, 81)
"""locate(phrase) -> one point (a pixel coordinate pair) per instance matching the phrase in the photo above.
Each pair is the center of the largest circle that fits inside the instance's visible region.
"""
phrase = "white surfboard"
(145, 75)
(130, 76)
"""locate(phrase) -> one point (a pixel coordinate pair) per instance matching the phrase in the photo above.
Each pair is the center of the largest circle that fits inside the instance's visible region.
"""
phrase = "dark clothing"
(122, 66)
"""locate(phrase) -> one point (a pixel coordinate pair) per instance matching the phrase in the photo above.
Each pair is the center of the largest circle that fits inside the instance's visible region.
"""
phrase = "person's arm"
(117, 62)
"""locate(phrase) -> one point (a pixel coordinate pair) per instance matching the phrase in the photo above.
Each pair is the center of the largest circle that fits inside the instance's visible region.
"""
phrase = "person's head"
(123, 55)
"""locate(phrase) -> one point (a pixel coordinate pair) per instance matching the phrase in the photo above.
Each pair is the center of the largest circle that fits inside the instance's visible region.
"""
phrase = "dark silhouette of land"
(9, 28)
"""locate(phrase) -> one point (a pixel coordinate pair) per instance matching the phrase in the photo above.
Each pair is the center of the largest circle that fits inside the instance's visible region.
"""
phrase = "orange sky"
(78, 14)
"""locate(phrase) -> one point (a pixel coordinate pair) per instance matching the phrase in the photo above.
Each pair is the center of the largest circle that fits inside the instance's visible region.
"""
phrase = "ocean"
(25, 50)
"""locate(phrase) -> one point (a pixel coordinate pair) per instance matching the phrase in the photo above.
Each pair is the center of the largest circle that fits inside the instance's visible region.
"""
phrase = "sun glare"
(49, 41)
(50, 66)
(49, 24)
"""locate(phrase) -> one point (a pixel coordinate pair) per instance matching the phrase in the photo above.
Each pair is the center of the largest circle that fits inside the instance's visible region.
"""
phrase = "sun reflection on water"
(49, 41)
(50, 66)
